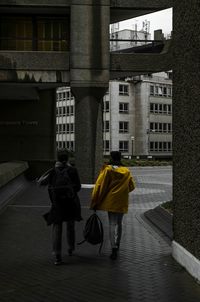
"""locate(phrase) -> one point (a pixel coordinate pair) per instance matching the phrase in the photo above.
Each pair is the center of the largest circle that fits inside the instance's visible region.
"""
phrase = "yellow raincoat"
(111, 190)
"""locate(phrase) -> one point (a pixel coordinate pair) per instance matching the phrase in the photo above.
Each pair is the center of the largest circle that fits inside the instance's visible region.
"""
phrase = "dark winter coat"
(68, 208)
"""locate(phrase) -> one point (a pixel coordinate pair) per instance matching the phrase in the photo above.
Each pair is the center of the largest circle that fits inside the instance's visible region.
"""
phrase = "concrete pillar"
(89, 78)
(88, 132)
(186, 126)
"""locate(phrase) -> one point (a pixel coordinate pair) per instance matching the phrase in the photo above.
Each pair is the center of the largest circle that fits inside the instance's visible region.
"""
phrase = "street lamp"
(132, 140)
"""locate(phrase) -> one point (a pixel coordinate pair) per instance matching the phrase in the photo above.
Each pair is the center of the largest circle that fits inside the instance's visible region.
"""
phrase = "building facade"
(65, 117)
(137, 117)
(132, 38)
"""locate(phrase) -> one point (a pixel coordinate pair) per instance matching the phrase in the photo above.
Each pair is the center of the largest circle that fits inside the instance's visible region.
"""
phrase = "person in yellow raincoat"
(110, 194)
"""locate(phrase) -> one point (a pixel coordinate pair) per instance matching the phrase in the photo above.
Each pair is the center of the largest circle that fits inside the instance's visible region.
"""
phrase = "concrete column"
(88, 132)
(186, 125)
(89, 78)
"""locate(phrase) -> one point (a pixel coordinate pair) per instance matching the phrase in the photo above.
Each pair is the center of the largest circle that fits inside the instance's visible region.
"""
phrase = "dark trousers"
(57, 236)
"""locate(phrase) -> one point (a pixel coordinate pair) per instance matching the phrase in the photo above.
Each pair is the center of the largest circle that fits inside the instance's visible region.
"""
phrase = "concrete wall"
(186, 125)
(27, 128)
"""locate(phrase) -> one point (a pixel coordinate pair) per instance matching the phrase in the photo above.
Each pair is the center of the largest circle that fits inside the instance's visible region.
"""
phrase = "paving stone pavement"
(144, 271)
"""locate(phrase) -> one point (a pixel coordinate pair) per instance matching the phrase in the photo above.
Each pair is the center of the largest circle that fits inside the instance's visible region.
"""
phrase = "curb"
(162, 219)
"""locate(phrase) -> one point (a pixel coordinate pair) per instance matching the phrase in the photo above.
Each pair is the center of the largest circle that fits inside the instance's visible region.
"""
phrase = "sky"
(159, 20)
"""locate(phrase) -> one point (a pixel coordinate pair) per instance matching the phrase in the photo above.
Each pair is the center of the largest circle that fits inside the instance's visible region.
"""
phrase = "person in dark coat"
(65, 204)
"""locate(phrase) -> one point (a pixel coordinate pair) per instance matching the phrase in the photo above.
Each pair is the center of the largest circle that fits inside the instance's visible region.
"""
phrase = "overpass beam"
(140, 63)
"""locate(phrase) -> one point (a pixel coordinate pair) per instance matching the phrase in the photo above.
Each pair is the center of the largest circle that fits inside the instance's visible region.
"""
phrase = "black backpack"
(93, 231)
(61, 186)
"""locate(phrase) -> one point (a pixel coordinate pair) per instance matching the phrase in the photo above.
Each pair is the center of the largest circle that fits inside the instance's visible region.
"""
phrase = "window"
(151, 146)
(151, 90)
(164, 108)
(64, 111)
(123, 108)
(64, 128)
(68, 95)
(151, 107)
(123, 146)
(161, 90)
(123, 89)
(161, 127)
(106, 126)
(169, 91)
(106, 146)
(69, 128)
(169, 109)
(52, 34)
(164, 91)
(59, 111)
(60, 145)
(70, 110)
(72, 128)
(106, 106)
(155, 108)
(123, 127)
(58, 96)
(34, 33)
(160, 108)
(160, 146)
(60, 127)
(70, 145)
(169, 145)
(169, 127)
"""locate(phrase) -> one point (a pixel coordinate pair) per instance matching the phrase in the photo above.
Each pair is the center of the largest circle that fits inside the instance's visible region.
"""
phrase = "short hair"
(116, 156)
(62, 155)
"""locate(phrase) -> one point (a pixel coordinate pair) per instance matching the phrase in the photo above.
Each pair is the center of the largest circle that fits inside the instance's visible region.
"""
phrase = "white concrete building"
(128, 34)
(137, 115)
(65, 126)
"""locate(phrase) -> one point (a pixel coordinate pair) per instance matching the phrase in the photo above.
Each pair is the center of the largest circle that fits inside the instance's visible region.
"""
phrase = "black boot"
(113, 256)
